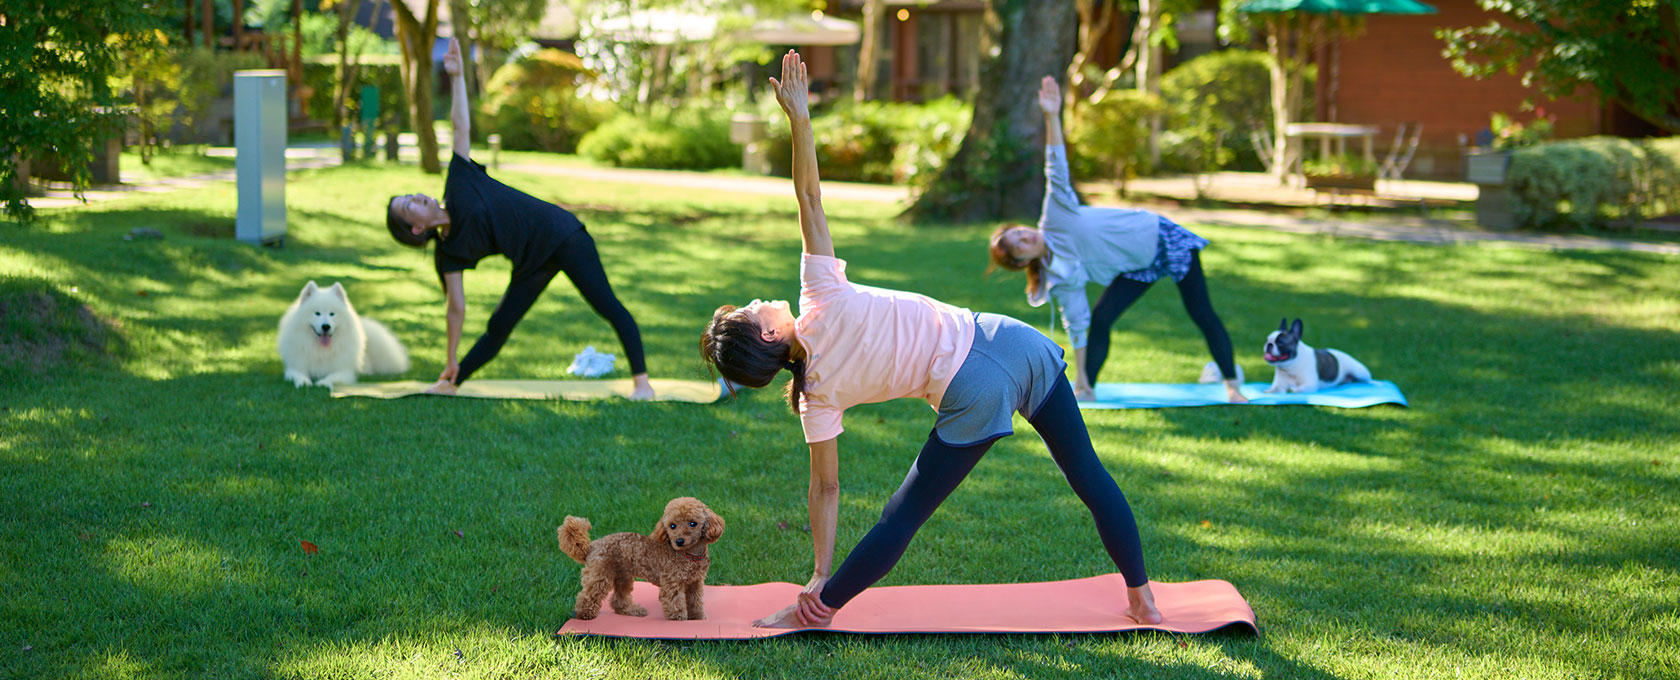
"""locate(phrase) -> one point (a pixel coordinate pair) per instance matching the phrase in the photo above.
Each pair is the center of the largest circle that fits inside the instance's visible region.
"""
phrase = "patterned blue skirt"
(1172, 254)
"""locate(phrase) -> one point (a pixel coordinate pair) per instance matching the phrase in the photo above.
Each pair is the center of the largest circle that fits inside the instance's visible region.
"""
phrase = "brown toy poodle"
(673, 557)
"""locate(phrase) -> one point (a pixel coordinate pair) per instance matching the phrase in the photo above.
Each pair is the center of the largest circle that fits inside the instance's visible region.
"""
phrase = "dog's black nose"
(326, 327)
(680, 541)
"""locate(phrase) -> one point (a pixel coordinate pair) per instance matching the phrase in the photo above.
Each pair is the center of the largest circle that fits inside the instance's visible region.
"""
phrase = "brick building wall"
(1395, 73)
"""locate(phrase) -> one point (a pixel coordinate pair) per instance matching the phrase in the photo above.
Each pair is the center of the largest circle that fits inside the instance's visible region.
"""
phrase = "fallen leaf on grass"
(145, 504)
(1206, 524)
(458, 534)
(781, 525)
(141, 293)
(308, 547)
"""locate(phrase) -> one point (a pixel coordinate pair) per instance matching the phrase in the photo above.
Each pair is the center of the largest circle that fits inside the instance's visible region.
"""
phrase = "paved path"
(769, 186)
(1407, 229)
(297, 158)
(1413, 230)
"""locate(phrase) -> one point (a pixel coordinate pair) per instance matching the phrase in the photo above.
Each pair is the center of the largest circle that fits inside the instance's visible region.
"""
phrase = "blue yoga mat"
(1163, 395)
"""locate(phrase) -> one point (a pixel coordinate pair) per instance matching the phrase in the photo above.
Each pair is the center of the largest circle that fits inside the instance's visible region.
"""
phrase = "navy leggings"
(1123, 292)
(940, 468)
(582, 264)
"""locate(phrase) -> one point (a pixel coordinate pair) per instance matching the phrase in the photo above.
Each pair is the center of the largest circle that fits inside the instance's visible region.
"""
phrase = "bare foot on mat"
(1233, 393)
(1140, 606)
(643, 391)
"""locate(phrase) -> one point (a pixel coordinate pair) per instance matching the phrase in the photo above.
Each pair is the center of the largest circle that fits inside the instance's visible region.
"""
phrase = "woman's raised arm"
(792, 92)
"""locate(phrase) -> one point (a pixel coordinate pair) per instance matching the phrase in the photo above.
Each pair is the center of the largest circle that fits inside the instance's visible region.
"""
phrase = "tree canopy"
(1627, 50)
(57, 60)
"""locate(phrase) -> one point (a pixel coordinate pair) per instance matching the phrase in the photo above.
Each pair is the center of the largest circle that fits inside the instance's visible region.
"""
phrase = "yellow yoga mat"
(693, 391)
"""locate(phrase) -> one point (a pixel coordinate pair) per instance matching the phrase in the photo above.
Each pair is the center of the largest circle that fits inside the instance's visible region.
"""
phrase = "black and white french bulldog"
(1300, 368)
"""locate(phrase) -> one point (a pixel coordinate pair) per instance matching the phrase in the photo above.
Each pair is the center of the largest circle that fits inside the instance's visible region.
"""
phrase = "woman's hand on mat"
(452, 59)
(812, 612)
(1049, 96)
(450, 370)
(1233, 392)
(1084, 392)
(441, 387)
(792, 91)
(807, 611)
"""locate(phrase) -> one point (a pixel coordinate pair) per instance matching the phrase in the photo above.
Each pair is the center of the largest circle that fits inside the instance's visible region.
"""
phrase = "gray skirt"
(1011, 368)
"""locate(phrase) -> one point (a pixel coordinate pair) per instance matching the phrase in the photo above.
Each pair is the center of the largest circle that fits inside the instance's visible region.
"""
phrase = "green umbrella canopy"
(1337, 6)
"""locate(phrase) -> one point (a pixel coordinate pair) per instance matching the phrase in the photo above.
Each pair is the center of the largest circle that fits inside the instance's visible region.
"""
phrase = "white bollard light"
(259, 136)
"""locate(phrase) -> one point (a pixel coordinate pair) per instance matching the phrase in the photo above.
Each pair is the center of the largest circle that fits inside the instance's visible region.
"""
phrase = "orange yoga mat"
(1087, 605)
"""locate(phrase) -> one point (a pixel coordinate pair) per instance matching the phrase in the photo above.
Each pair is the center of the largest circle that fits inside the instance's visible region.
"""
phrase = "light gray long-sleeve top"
(1087, 244)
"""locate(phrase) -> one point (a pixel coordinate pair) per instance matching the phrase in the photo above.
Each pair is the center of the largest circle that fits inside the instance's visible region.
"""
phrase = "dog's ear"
(1296, 328)
(308, 290)
(714, 529)
(1283, 324)
(659, 532)
(338, 289)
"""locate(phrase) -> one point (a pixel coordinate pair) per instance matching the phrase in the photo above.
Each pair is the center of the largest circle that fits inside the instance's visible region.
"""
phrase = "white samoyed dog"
(324, 342)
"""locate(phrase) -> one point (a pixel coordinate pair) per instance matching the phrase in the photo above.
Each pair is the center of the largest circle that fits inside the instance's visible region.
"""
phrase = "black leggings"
(940, 468)
(1123, 292)
(582, 264)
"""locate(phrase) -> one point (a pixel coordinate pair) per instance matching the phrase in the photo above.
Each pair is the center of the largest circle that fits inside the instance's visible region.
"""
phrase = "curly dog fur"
(673, 557)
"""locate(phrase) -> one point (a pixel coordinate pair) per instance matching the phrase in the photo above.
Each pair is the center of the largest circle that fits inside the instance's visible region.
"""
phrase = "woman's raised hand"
(793, 90)
(1049, 96)
(452, 60)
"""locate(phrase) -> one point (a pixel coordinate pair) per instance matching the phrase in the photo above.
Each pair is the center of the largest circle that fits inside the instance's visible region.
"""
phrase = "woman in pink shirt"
(854, 344)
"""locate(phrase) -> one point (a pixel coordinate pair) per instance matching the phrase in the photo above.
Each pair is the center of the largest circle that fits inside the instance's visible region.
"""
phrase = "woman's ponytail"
(796, 386)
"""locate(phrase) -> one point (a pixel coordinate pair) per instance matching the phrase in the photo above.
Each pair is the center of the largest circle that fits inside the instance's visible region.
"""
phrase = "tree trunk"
(207, 12)
(346, 12)
(1095, 16)
(416, 38)
(1150, 56)
(997, 173)
(1128, 61)
(1277, 43)
(869, 51)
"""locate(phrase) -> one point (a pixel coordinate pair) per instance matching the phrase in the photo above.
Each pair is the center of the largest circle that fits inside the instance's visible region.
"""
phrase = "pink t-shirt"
(865, 344)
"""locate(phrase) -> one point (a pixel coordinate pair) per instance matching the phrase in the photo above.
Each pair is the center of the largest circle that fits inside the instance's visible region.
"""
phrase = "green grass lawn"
(170, 163)
(1516, 521)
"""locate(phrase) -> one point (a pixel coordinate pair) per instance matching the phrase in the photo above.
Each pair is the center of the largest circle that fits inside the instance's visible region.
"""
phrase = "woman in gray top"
(1128, 249)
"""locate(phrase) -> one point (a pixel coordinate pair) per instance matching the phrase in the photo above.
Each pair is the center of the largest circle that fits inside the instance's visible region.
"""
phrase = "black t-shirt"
(487, 217)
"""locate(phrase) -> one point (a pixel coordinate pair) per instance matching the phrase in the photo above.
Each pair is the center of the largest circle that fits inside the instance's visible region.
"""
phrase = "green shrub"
(1662, 183)
(1510, 133)
(692, 138)
(379, 71)
(935, 133)
(880, 142)
(1114, 132)
(1214, 103)
(1594, 181)
(1344, 165)
(206, 76)
(533, 103)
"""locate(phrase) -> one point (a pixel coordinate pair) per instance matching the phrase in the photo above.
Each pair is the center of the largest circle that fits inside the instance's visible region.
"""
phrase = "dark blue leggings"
(582, 264)
(1123, 292)
(940, 468)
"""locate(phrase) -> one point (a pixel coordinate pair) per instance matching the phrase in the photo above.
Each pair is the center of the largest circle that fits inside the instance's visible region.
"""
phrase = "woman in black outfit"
(480, 217)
